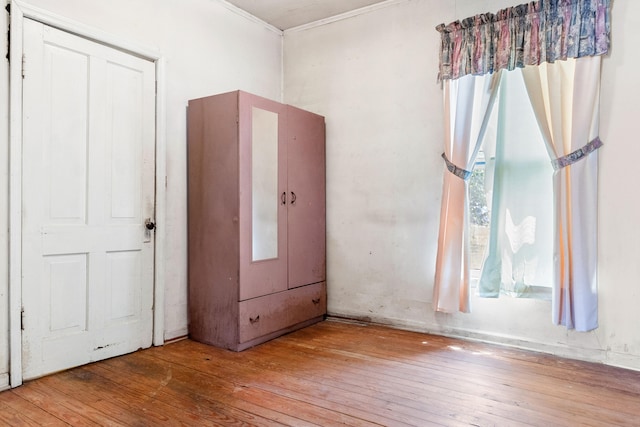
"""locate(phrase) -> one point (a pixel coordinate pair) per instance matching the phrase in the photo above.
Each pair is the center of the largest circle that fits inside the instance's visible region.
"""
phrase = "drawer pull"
(316, 301)
(254, 320)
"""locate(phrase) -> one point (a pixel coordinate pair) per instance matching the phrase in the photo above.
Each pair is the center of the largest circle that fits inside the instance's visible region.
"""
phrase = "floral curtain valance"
(528, 34)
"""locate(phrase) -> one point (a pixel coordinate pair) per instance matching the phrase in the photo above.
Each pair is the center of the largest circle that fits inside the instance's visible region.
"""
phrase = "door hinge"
(8, 9)
(24, 65)
(22, 319)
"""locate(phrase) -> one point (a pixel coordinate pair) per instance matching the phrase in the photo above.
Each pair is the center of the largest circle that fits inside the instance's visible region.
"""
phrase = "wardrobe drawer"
(282, 310)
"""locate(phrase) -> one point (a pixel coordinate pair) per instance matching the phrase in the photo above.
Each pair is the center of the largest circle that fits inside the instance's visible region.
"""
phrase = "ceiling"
(285, 14)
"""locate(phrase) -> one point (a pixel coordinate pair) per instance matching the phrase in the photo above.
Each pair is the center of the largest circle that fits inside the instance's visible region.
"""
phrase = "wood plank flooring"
(332, 373)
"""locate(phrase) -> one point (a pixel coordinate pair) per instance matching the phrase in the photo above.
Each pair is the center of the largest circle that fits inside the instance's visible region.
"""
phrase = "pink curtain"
(528, 34)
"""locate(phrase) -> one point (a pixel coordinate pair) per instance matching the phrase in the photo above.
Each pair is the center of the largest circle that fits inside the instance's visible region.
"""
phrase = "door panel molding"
(19, 12)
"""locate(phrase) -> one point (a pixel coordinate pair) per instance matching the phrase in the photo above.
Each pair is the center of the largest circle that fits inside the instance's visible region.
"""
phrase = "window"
(511, 200)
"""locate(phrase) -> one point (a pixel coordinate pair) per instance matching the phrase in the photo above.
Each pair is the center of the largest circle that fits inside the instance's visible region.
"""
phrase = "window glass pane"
(518, 171)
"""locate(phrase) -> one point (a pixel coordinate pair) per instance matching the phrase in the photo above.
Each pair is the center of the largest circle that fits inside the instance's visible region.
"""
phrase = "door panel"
(306, 213)
(261, 277)
(123, 273)
(66, 277)
(66, 149)
(124, 98)
(88, 185)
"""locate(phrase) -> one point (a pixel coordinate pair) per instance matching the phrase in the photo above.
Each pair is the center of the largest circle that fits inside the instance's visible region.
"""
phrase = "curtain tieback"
(573, 157)
(459, 172)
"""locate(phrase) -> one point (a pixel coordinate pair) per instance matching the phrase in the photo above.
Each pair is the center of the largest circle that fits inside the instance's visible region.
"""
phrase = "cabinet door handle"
(293, 198)
(316, 301)
(283, 198)
(254, 320)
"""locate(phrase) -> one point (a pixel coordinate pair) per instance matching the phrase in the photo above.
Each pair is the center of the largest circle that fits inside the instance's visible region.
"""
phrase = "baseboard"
(4, 381)
(588, 355)
(176, 339)
(175, 335)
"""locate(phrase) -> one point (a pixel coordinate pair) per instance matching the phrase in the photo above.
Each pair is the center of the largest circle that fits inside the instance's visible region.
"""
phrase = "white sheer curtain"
(467, 101)
(519, 260)
(565, 98)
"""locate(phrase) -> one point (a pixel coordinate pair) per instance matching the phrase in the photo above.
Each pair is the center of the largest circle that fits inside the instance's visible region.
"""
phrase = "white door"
(88, 187)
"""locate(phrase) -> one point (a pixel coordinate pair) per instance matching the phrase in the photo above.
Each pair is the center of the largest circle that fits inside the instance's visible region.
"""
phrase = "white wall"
(209, 48)
(374, 78)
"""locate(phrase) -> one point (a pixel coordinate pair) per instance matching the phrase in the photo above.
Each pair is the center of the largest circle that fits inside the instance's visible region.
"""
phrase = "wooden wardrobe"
(256, 208)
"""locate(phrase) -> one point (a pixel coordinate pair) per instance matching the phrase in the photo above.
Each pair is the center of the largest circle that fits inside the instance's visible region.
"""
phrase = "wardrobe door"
(306, 202)
(263, 197)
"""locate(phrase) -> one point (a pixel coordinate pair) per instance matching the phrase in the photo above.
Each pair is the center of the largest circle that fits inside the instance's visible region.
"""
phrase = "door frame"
(19, 12)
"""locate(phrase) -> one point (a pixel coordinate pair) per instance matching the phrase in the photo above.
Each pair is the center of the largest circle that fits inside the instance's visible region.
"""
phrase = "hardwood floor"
(332, 373)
